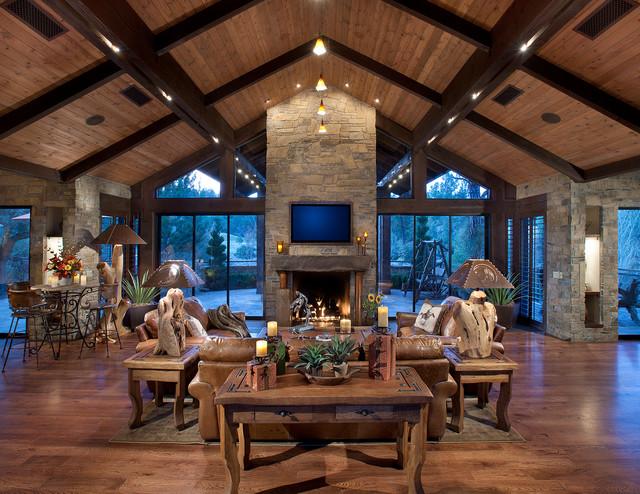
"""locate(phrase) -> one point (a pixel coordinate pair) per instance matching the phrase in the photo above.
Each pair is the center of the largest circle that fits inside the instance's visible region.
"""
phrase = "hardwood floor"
(578, 406)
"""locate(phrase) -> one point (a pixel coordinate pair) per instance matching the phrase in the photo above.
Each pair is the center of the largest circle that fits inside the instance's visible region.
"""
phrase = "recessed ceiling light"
(298, 86)
(407, 170)
(346, 84)
(431, 140)
(267, 101)
(394, 181)
(94, 120)
(451, 119)
(400, 176)
(475, 95)
(165, 95)
(246, 176)
(237, 159)
(240, 171)
(390, 185)
(215, 139)
(257, 186)
(551, 118)
(252, 182)
(377, 100)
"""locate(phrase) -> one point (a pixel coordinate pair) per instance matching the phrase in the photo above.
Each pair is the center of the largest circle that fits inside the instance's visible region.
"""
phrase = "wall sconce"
(280, 246)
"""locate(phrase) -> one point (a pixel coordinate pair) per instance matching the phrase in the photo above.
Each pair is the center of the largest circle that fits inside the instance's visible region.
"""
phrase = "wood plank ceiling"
(393, 33)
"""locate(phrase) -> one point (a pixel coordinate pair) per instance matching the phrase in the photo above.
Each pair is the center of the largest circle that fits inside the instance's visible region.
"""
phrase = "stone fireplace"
(304, 166)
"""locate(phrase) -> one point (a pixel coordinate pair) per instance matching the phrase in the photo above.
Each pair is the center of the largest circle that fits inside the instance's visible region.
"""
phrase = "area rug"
(158, 427)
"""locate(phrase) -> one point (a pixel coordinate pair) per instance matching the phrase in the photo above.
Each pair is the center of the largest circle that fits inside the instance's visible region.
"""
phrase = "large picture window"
(628, 272)
(227, 252)
(452, 185)
(416, 255)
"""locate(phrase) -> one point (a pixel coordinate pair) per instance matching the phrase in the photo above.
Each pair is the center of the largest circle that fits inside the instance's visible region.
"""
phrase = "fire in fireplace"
(328, 295)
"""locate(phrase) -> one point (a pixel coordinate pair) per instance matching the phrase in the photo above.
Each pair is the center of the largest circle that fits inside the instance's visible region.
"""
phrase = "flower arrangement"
(64, 264)
(370, 304)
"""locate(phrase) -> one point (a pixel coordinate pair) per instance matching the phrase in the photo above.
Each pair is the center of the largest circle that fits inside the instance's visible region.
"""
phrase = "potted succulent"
(142, 299)
(278, 354)
(312, 358)
(338, 353)
(506, 300)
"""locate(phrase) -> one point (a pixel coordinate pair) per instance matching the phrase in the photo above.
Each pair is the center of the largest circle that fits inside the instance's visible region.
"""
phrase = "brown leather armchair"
(219, 356)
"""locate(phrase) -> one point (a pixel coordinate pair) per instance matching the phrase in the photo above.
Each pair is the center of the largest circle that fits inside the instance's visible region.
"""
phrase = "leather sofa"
(219, 356)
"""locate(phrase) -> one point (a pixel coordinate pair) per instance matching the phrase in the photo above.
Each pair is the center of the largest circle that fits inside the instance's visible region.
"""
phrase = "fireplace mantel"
(286, 263)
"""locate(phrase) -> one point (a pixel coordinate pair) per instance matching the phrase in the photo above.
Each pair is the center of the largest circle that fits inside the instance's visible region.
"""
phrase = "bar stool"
(101, 313)
(28, 305)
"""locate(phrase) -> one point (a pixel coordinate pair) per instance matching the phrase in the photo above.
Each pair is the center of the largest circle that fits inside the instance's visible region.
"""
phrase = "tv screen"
(321, 223)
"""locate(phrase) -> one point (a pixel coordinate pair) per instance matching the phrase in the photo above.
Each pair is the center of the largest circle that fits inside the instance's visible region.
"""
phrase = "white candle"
(54, 280)
(383, 316)
(345, 325)
(261, 348)
(76, 278)
(83, 279)
(272, 328)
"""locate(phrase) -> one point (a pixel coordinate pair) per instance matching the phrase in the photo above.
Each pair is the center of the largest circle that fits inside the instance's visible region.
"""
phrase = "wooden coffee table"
(144, 366)
(405, 400)
(494, 369)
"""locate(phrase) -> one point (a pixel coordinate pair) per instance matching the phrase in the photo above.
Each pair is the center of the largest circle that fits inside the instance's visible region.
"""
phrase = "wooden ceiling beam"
(28, 169)
(583, 91)
(117, 22)
(201, 21)
(445, 20)
(58, 97)
(383, 71)
(394, 129)
(85, 165)
(250, 131)
(524, 23)
(526, 146)
(259, 73)
(611, 169)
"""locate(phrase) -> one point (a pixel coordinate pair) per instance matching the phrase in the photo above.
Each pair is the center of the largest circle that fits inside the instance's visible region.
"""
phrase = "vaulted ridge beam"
(26, 168)
(395, 169)
(116, 21)
(201, 21)
(446, 21)
(611, 169)
(527, 147)
(394, 129)
(463, 166)
(93, 161)
(57, 97)
(383, 71)
(525, 22)
(584, 92)
(259, 73)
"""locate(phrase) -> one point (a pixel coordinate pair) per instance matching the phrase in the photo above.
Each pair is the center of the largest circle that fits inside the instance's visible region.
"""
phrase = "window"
(201, 183)
(227, 252)
(15, 227)
(416, 255)
(628, 272)
(532, 259)
(250, 182)
(452, 185)
(393, 168)
(105, 222)
(509, 232)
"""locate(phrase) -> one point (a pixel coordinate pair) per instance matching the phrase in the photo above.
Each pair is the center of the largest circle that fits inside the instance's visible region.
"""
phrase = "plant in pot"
(142, 298)
(370, 305)
(506, 300)
(312, 358)
(278, 354)
(338, 353)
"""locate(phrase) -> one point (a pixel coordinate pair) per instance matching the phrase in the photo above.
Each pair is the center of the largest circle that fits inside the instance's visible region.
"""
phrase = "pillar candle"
(345, 325)
(261, 348)
(76, 278)
(83, 279)
(383, 316)
(272, 328)
(54, 280)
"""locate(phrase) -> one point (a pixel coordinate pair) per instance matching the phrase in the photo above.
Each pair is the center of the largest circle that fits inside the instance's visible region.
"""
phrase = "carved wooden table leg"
(502, 409)
(178, 405)
(158, 394)
(135, 419)
(402, 444)
(483, 394)
(229, 450)
(244, 450)
(457, 412)
(415, 454)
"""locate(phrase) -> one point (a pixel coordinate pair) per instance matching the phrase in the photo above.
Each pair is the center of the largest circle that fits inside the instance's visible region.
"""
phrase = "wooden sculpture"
(109, 275)
(171, 324)
(475, 321)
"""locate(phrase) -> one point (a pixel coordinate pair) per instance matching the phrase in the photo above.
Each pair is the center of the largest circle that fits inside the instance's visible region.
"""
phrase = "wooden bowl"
(329, 380)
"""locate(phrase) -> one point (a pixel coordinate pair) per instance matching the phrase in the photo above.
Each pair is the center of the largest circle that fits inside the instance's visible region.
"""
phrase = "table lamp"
(476, 318)
(174, 274)
(118, 235)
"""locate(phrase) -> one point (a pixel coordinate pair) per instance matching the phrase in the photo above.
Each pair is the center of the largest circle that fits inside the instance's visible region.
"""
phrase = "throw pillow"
(427, 317)
(194, 326)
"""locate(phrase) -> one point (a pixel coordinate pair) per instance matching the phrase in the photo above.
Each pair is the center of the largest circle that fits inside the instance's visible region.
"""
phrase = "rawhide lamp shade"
(478, 273)
(174, 274)
(118, 235)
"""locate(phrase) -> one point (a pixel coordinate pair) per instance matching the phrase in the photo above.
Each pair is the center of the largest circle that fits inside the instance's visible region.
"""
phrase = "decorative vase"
(341, 370)
(506, 314)
(315, 371)
(64, 281)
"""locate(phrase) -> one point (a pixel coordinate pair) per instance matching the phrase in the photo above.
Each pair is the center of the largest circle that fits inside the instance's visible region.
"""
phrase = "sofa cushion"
(194, 307)
(221, 349)
(418, 347)
(151, 321)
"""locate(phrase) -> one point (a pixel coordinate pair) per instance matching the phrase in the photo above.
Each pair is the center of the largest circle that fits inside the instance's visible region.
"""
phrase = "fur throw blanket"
(223, 318)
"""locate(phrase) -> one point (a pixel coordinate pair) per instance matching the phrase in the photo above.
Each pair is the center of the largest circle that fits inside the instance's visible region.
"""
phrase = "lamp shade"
(118, 234)
(174, 274)
(478, 273)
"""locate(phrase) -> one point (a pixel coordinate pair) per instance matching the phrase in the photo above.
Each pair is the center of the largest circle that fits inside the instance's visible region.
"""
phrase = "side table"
(145, 366)
(495, 369)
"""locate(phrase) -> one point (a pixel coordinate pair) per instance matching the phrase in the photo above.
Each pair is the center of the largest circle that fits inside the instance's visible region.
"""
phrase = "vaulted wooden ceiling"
(225, 62)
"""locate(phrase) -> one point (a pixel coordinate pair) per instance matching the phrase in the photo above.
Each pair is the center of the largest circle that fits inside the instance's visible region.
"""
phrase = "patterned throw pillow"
(428, 317)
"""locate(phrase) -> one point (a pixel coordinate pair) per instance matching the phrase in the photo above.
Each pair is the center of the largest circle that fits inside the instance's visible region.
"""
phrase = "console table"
(145, 366)
(404, 399)
(495, 369)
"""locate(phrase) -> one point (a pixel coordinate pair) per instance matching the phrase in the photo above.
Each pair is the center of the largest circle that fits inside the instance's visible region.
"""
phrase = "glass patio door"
(628, 272)
(532, 270)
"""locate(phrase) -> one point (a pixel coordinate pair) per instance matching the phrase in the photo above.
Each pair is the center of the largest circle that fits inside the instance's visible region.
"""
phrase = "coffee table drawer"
(359, 413)
(283, 414)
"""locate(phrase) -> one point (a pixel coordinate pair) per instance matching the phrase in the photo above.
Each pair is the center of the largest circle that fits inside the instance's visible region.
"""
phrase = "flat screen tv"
(320, 223)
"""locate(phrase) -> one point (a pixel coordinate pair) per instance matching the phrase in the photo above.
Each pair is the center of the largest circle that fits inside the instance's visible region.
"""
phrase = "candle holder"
(280, 246)
(364, 243)
(261, 374)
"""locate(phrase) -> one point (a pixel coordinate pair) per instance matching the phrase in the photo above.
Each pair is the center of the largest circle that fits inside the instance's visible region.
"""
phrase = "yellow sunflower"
(378, 299)
(370, 297)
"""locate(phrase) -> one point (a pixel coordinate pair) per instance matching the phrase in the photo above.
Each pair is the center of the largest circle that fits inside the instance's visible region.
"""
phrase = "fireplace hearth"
(327, 293)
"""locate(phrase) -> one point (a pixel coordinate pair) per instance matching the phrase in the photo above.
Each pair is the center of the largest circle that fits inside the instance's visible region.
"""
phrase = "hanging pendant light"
(323, 128)
(321, 86)
(321, 109)
(319, 48)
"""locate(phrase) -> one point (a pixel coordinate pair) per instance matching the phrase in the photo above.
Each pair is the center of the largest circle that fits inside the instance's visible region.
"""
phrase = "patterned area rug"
(479, 427)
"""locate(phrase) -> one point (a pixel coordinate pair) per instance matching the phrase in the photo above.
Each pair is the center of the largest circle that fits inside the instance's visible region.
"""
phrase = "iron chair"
(101, 314)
